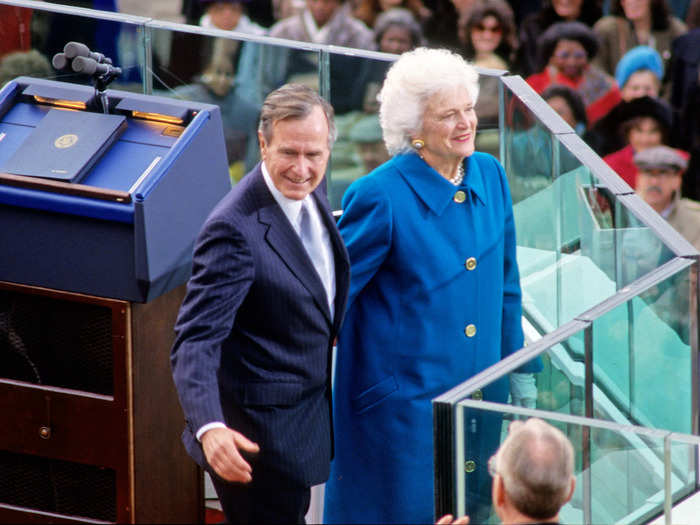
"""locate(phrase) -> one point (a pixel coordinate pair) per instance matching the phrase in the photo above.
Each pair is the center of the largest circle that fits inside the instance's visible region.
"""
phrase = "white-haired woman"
(434, 295)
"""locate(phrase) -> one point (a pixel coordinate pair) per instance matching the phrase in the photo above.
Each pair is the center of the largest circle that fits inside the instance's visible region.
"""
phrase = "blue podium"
(99, 213)
(125, 230)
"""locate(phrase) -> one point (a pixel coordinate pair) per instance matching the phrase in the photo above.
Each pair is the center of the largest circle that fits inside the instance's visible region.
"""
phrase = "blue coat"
(434, 299)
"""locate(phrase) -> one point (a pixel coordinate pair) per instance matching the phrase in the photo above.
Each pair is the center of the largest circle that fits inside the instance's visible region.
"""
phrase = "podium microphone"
(76, 49)
(90, 66)
(59, 61)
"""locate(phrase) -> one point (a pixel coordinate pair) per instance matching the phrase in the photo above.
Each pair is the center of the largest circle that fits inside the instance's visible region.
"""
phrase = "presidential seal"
(66, 141)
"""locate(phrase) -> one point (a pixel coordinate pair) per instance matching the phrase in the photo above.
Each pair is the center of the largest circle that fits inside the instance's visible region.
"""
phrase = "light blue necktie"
(311, 238)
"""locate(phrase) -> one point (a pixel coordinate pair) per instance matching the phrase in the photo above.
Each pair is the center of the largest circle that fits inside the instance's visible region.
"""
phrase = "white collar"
(290, 207)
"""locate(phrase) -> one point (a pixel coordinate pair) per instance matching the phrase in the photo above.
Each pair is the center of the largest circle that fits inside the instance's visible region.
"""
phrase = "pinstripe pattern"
(254, 334)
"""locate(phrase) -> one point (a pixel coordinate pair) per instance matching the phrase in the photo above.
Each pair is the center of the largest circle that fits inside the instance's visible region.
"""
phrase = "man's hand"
(447, 520)
(221, 448)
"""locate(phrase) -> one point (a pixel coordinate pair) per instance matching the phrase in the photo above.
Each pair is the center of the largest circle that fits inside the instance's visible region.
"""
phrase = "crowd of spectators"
(607, 53)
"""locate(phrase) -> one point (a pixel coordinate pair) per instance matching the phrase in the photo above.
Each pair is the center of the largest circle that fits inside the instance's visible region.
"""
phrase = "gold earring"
(417, 144)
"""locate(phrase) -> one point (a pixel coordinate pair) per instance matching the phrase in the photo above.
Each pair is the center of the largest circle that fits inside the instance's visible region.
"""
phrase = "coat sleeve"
(222, 274)
(366, 228)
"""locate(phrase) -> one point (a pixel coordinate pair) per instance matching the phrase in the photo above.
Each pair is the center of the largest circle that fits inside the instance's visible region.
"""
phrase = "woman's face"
(636, 9)
(449, 126)
(645, 134)
(486, 35)
(385, 5)
(640, 84)
(570, 58)
(396, 39)
(567, 9)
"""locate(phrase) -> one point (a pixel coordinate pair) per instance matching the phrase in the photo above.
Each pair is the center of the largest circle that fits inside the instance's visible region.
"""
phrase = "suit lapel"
(284, 241)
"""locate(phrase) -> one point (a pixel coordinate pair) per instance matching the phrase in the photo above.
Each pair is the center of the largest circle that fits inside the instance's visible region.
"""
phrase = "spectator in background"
(641, 124)
(535, 24)
(633, 23)
(395, 31)
(440, 29)
(369, 10)
(190, 54)
(684, 75)
(566, 49)
(324, 22)
(24, 63)
(569, 105)
(219, 84)
(488, 34)
(639, 73)
(660, 171)
(321, 22)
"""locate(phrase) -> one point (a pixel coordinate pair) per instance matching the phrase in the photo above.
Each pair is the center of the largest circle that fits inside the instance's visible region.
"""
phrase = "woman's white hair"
(411, 80)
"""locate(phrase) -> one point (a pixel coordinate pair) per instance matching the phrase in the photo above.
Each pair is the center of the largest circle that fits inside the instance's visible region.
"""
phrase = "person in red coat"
(566, 50)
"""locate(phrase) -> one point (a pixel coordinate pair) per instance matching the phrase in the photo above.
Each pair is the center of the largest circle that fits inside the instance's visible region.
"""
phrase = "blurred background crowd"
(623, 73)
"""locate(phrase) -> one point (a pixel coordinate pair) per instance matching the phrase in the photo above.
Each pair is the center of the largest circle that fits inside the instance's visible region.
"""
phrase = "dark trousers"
(262, 503)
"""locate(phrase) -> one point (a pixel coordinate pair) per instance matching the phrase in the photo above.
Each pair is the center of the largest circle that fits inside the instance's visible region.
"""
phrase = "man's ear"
(263, 144)
(571, 490)
(498, 491)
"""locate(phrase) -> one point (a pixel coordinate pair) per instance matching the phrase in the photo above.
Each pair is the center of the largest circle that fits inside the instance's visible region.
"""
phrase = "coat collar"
(432, 188)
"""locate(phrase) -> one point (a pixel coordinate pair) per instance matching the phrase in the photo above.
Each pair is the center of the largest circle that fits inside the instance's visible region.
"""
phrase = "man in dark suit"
(252, 356)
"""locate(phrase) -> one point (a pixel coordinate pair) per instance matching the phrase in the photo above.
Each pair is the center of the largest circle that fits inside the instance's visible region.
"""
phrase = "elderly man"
(252, 356)
(659, 178)
(532, 475)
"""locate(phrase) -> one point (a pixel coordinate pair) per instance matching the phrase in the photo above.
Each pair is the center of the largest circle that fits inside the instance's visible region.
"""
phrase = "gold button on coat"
(460, 197)
(469, 466)
(478, 395)
(471, 263)
(470, 330)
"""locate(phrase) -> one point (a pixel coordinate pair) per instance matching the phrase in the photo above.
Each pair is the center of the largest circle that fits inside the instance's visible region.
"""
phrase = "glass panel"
(577, 243)
(354, 84)
(229, 73)
(619, 470)
(642, 358)
(122, 42)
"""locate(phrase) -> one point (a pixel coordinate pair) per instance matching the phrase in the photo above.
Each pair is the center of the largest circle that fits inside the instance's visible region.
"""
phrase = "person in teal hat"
(639, 73)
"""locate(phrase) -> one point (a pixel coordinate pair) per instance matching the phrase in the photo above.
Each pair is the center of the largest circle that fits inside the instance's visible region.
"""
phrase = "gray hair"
(536, 462)
(411, 80)
(401, 17)
(293, 101)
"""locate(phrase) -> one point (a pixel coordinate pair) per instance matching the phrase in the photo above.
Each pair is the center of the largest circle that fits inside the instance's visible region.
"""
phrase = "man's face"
(657, 186)
(322, 10)
(297, 154)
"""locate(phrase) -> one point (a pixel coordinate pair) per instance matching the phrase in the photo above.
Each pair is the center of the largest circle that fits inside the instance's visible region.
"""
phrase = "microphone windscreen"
(84, 65)
(59, 61)
(76, 49)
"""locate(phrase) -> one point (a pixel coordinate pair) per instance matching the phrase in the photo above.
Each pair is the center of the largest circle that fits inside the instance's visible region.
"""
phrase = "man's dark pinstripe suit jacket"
(254, 334)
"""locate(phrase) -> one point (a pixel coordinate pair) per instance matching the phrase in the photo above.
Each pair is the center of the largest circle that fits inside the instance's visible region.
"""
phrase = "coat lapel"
(340, 254)
(285, 242)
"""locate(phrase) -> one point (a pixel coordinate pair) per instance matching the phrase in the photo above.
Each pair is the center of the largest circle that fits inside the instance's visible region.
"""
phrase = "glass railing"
(609, 288)
(624, 474)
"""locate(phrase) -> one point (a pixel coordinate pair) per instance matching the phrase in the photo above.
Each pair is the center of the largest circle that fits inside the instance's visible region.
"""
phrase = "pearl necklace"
(457, 179)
